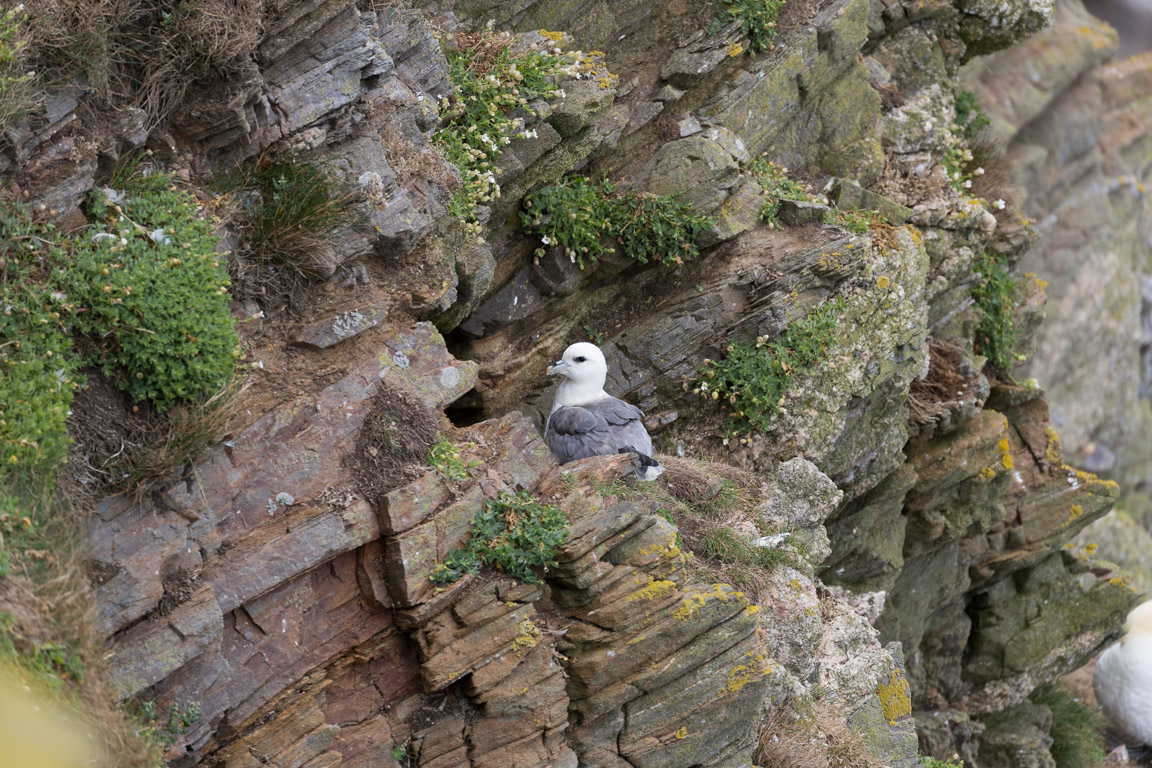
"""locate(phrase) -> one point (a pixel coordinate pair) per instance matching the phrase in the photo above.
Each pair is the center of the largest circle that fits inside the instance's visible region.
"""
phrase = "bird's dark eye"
(581, 359)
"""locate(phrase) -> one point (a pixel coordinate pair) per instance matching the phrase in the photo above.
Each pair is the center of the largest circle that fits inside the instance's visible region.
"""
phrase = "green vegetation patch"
(295, 206)
(1077, 731)
(515, 534)
(445, 457)
(43, 665)
(970, 117)
(753, 378)
(777, 187)
(154, 292)
(495, 88)
(576, 214)
(932, 762)
(37, 365)
(757, 21)
(995, 295)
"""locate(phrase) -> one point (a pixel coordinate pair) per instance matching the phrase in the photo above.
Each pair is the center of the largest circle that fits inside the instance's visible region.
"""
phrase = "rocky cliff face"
(282, 580)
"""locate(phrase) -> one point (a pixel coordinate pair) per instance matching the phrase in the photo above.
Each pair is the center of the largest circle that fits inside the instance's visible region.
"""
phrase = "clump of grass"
(777, 187)
(154, 291)
(514, 533)
(753, 378)
(18, 94)
(445, 458)
(182, 437)
(757, 21)
(290, 211)
(495, 88)
(932, 762)
(576, 214)
(819, 738)
(995, 295)
(1077, 731)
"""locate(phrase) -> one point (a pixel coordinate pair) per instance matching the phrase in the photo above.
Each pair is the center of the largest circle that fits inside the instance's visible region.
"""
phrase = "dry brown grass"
(51, 606)
(822, 740)
(180, 437)
(143, 52)
(933, 398)
(18, 92)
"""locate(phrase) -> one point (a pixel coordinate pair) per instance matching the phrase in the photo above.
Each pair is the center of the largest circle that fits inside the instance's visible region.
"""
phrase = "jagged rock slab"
(264, 492)
(331, 331)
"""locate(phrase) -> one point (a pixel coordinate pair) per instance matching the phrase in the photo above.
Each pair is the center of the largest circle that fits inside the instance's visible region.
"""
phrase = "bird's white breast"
(1123, 684)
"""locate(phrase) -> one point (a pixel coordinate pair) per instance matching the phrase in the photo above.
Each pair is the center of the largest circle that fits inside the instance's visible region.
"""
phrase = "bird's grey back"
(598, 428)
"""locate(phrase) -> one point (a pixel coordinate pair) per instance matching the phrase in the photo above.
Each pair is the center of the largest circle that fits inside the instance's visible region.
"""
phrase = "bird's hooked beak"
(557, 367)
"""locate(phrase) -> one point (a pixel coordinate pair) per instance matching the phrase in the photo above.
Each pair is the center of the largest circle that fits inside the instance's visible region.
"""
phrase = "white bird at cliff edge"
(587, 421)
(1123, 678)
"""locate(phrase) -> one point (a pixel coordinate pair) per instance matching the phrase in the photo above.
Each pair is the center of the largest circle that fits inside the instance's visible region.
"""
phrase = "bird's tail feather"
(649, 469)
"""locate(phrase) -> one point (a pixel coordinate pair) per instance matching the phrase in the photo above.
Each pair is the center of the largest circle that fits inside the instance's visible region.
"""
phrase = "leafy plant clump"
(37, 365)
(495, 89)
(777, 187)
(856, 222)
(154, 291)
(753, 378)
(994, 295)
(577, 213)
(757, 21)
(515, 534)
(164, 730)
(445, 458)
(970, 118)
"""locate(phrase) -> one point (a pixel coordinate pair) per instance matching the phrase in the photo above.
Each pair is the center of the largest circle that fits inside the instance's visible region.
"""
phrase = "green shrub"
(37, 365)
(155, 293)
(970, 118)
(17, 82)
(576, 213)
(777, 186)
(753, 378)
(1077, 731)
(657, 227)
(296, 208)
(995, 294)
(494, 90)
(757, 21)
(514, 533)
(164, 730)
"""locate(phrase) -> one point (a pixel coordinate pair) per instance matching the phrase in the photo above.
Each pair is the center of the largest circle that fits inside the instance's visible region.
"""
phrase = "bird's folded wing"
(596, 429)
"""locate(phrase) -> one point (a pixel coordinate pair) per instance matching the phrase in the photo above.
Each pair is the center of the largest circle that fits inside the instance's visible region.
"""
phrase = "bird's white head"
(1140, 620)
(585, 369)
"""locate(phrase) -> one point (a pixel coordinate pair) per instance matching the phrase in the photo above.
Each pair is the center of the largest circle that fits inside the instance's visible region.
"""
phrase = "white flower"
(979, 172)
(967, 184)
(546, 240)
(159, 237)
(998, 205)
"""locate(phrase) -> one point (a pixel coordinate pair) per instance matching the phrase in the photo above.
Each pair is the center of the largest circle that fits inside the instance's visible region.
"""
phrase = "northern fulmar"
(587, 421)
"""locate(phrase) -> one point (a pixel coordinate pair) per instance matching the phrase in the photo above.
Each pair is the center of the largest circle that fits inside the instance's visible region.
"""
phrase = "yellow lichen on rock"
(895, 697)
(655, 590)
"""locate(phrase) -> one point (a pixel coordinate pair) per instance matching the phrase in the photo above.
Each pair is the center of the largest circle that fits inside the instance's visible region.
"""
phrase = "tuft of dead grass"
(394, 442)
(48, 610)
(143, 52)
(122, 448)
(821, 740)
(932, 400)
